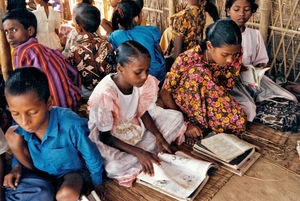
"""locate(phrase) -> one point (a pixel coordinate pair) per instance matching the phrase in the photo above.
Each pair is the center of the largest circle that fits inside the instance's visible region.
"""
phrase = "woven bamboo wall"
(283, 40)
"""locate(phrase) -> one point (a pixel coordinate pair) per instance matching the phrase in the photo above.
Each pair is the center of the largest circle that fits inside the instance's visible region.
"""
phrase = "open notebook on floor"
(230, 151)
(180, 176)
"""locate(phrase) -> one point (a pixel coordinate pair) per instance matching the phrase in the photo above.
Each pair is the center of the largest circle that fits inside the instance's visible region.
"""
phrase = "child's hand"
(100, 190)
(162, 144)
(12, 179)
(193, 131)
(147, 159)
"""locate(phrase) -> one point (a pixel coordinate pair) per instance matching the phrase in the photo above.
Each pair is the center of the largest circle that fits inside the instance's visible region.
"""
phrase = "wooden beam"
(5, 56)
(265, 11)
(67, 10)
(171, 8)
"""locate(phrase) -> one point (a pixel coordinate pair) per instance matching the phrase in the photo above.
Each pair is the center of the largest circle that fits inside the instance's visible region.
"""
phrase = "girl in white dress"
(126, 125)
(48, 24)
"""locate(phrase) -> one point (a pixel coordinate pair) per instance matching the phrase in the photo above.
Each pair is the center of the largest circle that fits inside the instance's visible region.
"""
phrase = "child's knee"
(67, 194)
(70, 189)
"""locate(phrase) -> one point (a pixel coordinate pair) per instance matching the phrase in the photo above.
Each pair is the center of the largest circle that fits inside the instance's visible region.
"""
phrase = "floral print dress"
(201, 90)
(189, 24)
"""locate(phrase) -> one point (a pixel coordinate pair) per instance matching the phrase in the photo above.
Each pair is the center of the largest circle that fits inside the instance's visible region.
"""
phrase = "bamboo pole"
(171, 8)
(265, 11)
(67, 10)
(5, 56)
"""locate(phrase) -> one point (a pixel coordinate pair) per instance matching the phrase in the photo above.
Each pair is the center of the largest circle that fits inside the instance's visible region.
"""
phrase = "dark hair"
(212, 10)
(223, 31)
(46, 1)
(88, 1)
(26, 79)
(126, 51)
(124, 14)
(139, 3)
(88, 17)
(229, 3)
(14, 4)
(25, 17)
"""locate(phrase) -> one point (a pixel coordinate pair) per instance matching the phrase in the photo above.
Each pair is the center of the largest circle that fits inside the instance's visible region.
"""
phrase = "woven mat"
(277, 147)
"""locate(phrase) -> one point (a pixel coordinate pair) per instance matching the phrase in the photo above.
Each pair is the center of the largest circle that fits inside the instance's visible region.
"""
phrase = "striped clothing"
(64, 80)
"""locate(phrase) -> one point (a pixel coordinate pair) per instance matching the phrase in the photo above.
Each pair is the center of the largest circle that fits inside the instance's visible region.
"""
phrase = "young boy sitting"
(57, 138)
(89, 55)
(64, 82)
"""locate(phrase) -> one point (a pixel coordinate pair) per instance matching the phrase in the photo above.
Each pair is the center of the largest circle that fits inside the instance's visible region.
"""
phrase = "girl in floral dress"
(126, 125)
(201, 79)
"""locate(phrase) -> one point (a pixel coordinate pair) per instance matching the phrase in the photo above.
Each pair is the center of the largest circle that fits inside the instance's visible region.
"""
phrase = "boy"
(89, 56)
(57, 138)
(64, 82)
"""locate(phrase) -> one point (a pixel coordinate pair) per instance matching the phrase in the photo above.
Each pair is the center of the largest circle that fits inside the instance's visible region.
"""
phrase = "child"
(127, 19)
(64, 81)
(57, 138)
(187, 27)
(89, 56)
(254, 53)
(48, 24)
(132, 128)
(200, 81)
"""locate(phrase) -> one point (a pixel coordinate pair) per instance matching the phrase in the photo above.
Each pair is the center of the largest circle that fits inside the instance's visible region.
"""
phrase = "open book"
(180, 176)
(253, 76)
(237, 155)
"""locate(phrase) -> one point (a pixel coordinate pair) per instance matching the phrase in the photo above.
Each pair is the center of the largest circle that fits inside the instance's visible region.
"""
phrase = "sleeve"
(261, 51)
(155, 34)
(148, 95)
(112, 41)
(173, 77)
(89, 152)
(14, 161)
(180, 25)
(3, 144)
(101, 118)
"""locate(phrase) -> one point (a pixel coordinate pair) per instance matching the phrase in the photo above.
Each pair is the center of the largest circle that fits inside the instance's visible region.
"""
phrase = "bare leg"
(70, 188)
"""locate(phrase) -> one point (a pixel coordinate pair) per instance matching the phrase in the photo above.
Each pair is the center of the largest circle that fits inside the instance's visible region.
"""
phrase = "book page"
(179, 175)
(252, 76)
(226, 146)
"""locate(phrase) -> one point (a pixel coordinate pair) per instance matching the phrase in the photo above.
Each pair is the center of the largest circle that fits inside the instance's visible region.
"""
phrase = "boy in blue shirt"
(57, 138)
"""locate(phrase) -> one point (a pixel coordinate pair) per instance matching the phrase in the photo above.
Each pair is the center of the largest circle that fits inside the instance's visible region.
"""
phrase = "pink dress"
(254, 53)
(111, 110)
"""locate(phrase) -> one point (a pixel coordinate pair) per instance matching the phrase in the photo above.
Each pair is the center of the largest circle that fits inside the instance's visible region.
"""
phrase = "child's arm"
(12, 179)
(18, 147)
(107, 26)
(145, 158)
(161, 143)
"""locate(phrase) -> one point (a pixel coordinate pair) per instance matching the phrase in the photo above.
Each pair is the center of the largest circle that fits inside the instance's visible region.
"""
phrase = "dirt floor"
(265, 181)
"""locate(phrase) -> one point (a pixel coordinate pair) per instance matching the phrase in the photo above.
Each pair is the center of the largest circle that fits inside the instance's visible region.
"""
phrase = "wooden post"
(5, 56)
(67, 10)
(265, 8)
(171, 8)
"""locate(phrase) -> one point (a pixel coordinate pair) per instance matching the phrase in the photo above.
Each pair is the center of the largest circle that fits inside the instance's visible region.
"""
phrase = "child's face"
(240, 12)
(114, 3)
(31, 113)
(15, 32)
(135, 73)
(224, 54)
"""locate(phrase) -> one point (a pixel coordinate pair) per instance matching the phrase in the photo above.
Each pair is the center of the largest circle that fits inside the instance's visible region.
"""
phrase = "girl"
(127, 18)
(200, 81)
(187, 27)
(254, 53)
(48, 24)
(126, 125)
